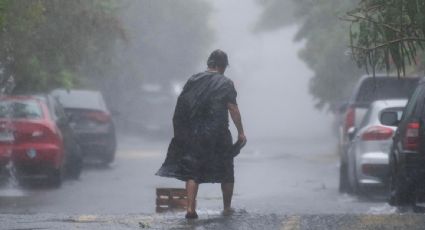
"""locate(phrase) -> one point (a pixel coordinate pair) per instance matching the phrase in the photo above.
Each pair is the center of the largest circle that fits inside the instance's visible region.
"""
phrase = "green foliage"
(387, 33)
(3, 6)
(326, 49)
(168, 39)
(43, 42)
(110, 45)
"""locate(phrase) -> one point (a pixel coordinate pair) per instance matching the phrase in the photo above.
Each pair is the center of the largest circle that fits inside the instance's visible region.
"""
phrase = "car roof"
(383, 75)
(19, 97)
(390, 103)
(80, 99)
(369, 88)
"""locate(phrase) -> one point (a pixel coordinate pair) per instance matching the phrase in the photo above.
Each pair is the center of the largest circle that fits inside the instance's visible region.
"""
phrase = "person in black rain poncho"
(200, 151)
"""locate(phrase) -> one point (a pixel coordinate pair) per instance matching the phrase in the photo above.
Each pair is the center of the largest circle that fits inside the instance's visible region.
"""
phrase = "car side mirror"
(390, 118)
(352, 133)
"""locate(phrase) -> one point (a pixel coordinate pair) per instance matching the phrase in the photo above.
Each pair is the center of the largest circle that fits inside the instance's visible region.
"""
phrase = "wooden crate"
(170, 198)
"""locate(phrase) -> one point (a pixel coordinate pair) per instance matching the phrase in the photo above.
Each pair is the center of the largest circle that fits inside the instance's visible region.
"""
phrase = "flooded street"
(272, 176)
(277, 181)
(123, 67)
(286, 177)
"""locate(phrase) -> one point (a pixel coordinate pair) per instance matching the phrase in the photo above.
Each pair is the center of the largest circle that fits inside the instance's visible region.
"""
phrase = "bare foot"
(228, 211)
(191, 215)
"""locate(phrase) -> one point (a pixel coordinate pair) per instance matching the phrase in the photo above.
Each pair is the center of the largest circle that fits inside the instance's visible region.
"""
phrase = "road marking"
(86, 218)
(292, 223)
(395, 221)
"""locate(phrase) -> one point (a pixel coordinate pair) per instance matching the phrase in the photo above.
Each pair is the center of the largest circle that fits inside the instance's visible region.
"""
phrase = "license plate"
(6, 136)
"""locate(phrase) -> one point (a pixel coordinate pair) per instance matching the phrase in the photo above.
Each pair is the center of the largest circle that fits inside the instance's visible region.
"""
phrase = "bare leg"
(192, 192)
(227, 189)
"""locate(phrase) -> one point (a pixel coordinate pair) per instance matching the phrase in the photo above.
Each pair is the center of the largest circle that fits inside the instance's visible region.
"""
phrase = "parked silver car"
(368, 90)
(368, 151)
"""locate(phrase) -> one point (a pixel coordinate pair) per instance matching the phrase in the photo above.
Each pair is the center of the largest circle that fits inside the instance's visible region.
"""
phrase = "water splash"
(11, 188)
(12, 177)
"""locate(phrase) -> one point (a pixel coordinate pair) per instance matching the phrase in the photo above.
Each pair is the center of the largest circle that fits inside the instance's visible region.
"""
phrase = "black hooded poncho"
(201, 143)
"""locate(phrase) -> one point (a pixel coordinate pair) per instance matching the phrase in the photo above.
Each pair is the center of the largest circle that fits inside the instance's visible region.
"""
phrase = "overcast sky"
(271, 80)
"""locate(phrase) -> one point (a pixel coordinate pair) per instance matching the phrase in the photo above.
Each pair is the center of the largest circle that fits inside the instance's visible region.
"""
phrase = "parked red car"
(36, 137)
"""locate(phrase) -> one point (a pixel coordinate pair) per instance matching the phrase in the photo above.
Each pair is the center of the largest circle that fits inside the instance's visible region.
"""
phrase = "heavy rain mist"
(90, 92)
(272, 81)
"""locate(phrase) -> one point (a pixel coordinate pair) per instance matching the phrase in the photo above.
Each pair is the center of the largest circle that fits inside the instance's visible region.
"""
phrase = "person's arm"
(237, 120)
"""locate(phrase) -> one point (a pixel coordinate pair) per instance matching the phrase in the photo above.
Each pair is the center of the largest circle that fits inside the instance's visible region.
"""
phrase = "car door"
(62, 122)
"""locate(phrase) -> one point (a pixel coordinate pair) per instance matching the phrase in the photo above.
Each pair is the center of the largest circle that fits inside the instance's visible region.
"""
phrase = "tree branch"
(389, 43)
(357, 17)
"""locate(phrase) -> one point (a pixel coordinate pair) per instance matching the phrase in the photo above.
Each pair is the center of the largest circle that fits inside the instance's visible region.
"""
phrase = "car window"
(397, 110)
(366, 117)
(80, 99)
(28, 109)
(59, 111)
(385, 88)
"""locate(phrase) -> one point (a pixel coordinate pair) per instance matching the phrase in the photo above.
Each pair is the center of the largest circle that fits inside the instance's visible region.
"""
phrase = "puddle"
(384, 209)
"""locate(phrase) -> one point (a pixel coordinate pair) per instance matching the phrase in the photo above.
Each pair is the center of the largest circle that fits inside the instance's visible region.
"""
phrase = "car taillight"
(98, 116)
(411, 138)
(377, 133)
(39, 135)
(349, 118)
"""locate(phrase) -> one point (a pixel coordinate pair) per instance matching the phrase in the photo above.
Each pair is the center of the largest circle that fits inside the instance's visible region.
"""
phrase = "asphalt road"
(281, 183)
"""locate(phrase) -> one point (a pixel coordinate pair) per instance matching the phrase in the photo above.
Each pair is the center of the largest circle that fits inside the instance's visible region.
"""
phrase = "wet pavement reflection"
(280, 184)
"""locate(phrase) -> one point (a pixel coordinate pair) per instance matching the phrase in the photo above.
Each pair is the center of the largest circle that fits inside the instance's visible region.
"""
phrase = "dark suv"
(407, 156)
(368, 90)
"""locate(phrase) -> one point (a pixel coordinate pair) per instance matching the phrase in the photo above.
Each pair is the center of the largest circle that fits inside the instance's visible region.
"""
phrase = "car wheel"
(109, 157)
(399, 190)
(74, 167)
(55, 178)
(110, 150)
(344, 185)
(352, 178)
(74, 163)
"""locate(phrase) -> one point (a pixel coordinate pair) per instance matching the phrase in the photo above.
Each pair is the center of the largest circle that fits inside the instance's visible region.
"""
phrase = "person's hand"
(242, 137)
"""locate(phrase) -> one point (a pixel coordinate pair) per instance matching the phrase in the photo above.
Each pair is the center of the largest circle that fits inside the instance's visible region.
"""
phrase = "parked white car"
(370, 145)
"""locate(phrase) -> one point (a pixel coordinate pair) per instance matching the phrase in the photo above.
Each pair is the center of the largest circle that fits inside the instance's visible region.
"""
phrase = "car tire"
(74, 167)
(74, 163)
(110, 150)
(55, 178)
(344, 185)
(109, 157)
(352, 179)
(399, 189)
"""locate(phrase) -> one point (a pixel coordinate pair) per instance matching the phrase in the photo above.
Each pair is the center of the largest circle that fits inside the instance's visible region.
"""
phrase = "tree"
(44, 42)
(387, 33)
(168, 38)
(326, 45)
(167, 42)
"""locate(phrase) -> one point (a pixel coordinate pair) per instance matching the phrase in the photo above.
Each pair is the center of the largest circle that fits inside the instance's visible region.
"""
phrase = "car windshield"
(80, 99)
(385, 88)
(22, 109)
